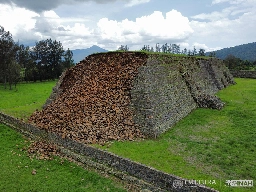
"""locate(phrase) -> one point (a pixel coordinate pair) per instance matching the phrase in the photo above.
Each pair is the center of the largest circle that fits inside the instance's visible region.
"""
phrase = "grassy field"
(25, 99)
(15, 164)
(51, 175)
(207, 145)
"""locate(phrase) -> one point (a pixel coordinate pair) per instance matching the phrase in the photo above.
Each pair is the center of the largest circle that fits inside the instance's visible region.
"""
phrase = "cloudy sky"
(78, 24)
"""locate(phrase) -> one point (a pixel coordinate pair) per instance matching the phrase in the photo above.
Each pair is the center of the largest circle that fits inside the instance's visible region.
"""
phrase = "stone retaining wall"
(56, 90)
(168, 88)
(244, 74)
(159, 179)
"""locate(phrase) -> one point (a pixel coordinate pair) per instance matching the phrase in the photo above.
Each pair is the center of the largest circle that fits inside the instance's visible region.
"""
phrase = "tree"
(175, 49)
(165, 48)
(8, 50)
(39, 56)
(194, 52)
(23, 55)
(55, 54)
(24, 58)
(45, 61)
(48, 57)
(201, 52)
(158, 49)
(147, 48)
(190, 53)
(212, 54)
(254, 65)
(232, 62)
(185, 51)
(245, 65)
(68, 59)
(14, 73)
(123, 48)
(31, 72)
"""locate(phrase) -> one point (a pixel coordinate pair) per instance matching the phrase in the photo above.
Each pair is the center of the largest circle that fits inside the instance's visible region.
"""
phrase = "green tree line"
(45, 61)
(235, 63)
(170, 48)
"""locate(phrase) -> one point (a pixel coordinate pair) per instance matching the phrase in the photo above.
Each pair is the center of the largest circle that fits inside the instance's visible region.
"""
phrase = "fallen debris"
(93, 106)
(42, 150)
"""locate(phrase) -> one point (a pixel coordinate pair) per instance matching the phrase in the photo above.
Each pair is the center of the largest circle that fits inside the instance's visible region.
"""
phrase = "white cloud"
(231, 11)
(14, 19)
(228, 1)
(219, 1)
(157, 27)
(216, 15)
(78, 30)
(231, 26)
(46, 5)
(50, 14)
(146, 29)
(28, 27)
(136, 2)
(199, 46)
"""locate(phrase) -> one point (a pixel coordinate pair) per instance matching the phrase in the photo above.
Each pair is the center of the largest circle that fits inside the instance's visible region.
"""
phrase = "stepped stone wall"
(167, 89)
(244, 74)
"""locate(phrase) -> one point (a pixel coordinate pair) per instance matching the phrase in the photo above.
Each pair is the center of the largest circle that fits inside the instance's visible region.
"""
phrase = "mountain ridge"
(244, 52)
(80, 54)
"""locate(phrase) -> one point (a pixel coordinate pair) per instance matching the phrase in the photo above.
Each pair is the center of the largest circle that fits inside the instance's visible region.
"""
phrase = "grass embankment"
(15, 164)
(207, 144)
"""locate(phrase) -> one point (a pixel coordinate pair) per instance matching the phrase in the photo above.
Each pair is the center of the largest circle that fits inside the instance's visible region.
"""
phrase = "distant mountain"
(80, 54)
(244, 52)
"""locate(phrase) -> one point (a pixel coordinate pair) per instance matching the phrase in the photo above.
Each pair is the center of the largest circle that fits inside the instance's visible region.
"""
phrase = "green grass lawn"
(51, 175)
(25, 99)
